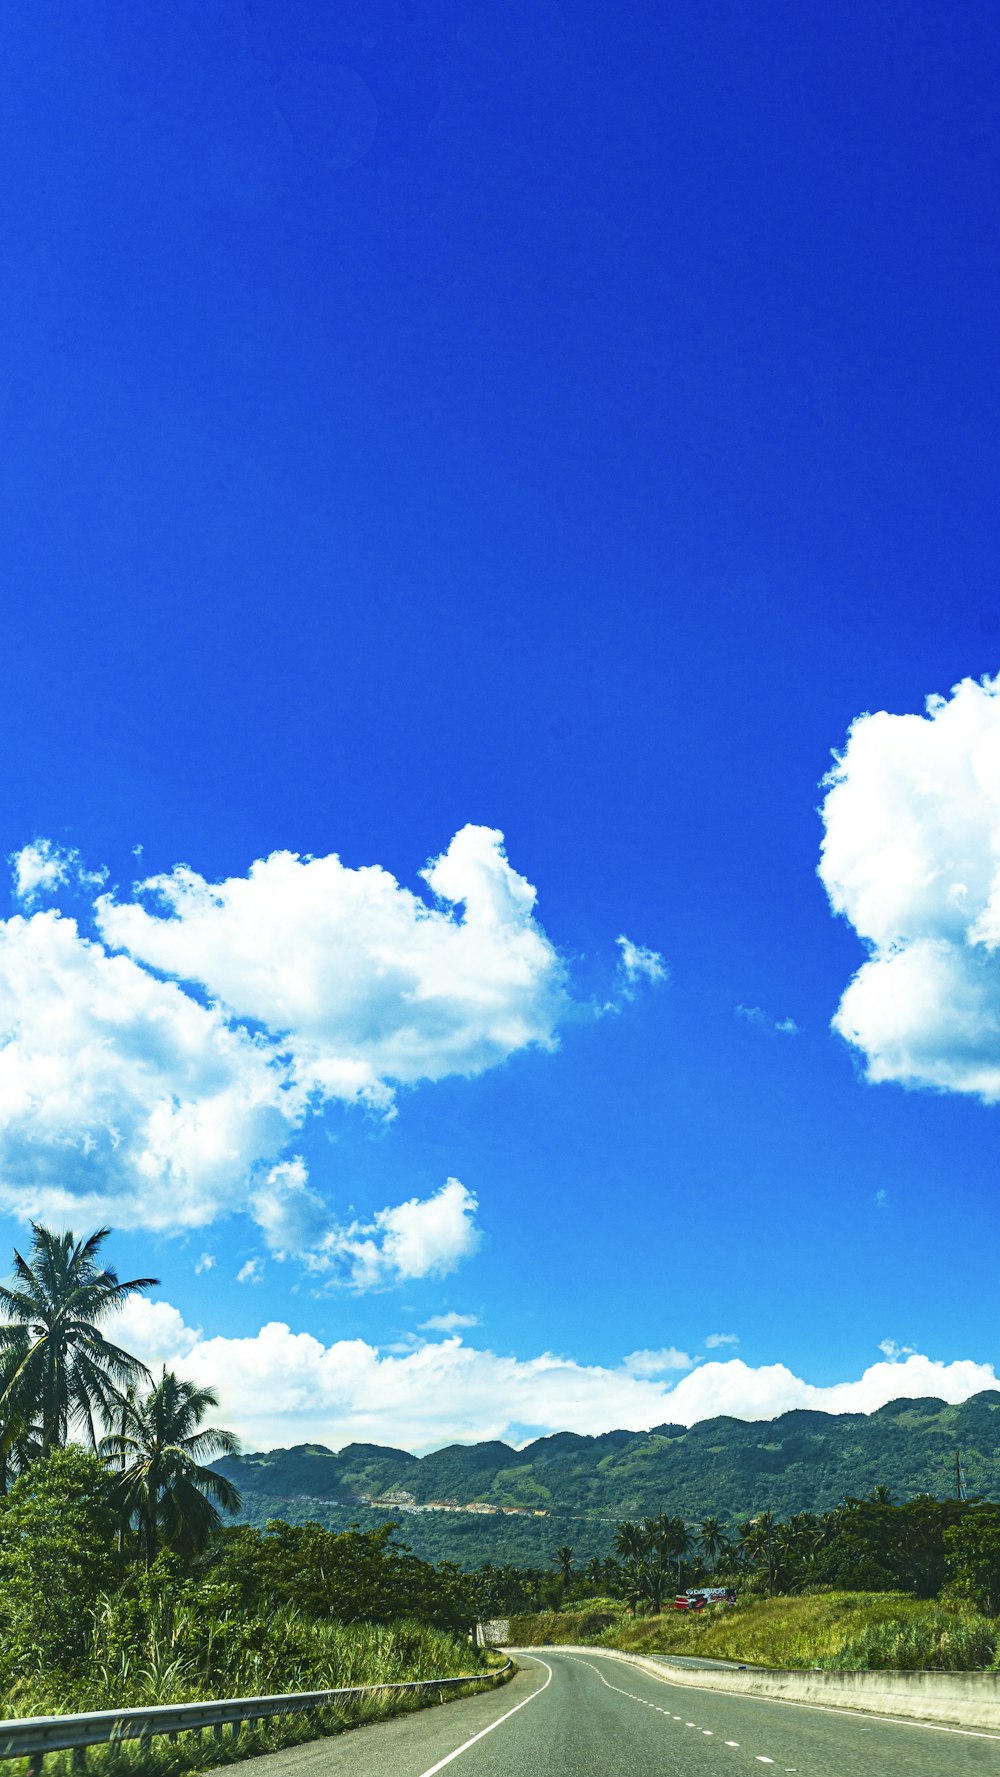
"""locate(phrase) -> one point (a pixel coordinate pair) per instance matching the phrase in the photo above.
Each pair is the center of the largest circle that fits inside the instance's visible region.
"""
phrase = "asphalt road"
(571, 1715)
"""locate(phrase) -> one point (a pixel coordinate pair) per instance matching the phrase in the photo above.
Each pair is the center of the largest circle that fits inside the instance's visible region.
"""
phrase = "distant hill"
(801, 1461)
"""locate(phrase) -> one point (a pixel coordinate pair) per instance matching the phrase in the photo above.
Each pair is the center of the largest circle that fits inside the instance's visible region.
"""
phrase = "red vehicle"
(689, 1601)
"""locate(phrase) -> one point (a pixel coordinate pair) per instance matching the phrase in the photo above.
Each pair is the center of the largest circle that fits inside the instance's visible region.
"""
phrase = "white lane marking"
(732, 1743)
(709, 1731)
(871, 1716)
(493, 1724)
(761, 1760)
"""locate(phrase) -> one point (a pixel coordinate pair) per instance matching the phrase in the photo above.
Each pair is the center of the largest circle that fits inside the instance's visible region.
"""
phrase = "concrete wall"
(956, 1699)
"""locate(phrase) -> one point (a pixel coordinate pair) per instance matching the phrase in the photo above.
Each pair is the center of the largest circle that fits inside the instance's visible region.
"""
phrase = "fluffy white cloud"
(639, 963)
(42, 867)
(714, 1340)
(122, 1097)
(424, 1237)
(448, 1323)
(251, 1272)
(168, 1103)
(911, 858)
(281, 1387)
(367, 983)
(654, 1363)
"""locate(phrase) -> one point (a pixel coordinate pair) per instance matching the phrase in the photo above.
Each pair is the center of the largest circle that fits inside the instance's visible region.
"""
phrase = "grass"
(845, 1630)
(334, 1656)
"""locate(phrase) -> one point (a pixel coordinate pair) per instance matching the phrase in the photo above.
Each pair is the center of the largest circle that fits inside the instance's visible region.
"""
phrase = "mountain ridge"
(480, 1501)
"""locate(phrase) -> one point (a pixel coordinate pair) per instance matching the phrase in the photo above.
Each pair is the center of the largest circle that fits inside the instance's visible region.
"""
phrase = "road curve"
(581, 1715)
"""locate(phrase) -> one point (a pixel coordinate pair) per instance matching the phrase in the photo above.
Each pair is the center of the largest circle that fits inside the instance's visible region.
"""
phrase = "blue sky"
(562, 421)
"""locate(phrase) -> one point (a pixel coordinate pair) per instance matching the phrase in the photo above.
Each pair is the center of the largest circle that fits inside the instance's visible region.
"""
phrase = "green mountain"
(801, 1461)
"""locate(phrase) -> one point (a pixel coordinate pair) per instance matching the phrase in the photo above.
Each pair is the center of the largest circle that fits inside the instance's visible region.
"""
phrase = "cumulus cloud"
(282, 1387)
(42, 867)
(160, 1072)
(367, 984)
(424, 1237)
(448, 1323)
(654, 1363)
(911, 857)
(123, 1098)
(639, 963)
(714, 1340)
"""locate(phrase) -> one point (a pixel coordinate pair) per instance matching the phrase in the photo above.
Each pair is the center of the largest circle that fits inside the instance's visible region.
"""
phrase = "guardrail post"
(35, 1763)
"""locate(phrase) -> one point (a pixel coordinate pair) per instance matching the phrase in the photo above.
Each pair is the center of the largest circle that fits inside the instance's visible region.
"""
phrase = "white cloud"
(251, 1272)
(893, 1351)
(654, 1363)
(171, 1103)
(206, 1262)
(448, 1323)
(42, 867)
(786, 1027)
(424, 1237)
(714, 1340)
(639, 963)
(281, 1387)
(367, 983)
(911, 858)
(121, 1097)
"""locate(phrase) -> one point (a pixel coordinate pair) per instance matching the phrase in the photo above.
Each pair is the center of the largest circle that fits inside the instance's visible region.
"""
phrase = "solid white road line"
(493, 1724)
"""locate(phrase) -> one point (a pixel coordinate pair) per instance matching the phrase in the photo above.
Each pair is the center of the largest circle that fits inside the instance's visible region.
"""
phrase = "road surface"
(581, 1715)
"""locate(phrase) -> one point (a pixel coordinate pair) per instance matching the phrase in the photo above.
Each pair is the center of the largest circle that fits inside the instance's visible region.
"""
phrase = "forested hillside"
(801, 1461)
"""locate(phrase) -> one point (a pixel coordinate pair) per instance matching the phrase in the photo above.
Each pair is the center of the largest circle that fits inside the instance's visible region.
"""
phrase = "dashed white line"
(733, 1743)
(761, 1760)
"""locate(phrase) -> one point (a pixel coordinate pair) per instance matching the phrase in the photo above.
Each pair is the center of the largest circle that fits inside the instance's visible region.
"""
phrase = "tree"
(56, 1557)
(712, 1539)
(163, 1485)
(564, 1562)
(20, 1434)
(61, 1367)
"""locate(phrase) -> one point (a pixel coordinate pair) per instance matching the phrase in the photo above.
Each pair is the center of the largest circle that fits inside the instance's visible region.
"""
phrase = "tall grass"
(845, 1630)
(169, 1665)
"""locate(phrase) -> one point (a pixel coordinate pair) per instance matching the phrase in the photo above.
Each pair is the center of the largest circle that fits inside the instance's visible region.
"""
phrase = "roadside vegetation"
(845, 1630)
(872, 1584)
(123, 1581)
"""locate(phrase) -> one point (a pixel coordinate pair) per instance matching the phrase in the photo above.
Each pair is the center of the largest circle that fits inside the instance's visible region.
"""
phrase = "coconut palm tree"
(630, 1540)
(163, 1485)
(564, 1562)
(61, 1367)
(712, 1539)
(20, 1434)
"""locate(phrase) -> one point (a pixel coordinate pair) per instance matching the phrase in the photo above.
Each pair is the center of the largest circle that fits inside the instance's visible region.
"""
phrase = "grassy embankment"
(852, 1631)
(316, 1657)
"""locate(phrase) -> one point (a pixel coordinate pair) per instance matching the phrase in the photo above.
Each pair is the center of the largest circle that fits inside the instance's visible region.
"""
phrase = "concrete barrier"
(950, 1699)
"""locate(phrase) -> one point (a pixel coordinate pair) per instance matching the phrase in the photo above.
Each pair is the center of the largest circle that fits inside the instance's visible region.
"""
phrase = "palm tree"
(62, 1368)
(564, 1558)
(20, 1435)
(163, 1485)
(712, 1538)
(630, 1541)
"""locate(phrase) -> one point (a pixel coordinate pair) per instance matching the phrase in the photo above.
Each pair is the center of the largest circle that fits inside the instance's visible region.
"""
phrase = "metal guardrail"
(36, 1735)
